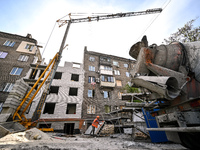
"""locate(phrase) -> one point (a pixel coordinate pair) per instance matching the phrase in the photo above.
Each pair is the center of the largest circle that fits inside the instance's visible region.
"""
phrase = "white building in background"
(62, 108)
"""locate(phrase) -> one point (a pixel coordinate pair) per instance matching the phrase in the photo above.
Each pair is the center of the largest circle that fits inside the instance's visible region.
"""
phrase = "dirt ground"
(37, 140)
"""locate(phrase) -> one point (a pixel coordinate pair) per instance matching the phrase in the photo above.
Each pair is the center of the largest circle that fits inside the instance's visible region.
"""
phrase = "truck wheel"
(190, 140)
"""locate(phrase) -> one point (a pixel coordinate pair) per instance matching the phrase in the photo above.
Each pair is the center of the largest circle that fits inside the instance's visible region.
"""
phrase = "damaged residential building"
(62, 108)
(16, 54)
(105, 79)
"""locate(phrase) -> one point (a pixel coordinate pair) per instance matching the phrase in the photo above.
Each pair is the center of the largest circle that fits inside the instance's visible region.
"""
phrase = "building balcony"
(107, 84)
(106, 72)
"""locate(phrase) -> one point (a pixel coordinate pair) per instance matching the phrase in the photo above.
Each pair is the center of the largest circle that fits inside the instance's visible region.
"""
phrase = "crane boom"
(110, 16)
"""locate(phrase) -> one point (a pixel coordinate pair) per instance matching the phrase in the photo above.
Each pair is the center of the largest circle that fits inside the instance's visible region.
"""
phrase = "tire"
(190, 140)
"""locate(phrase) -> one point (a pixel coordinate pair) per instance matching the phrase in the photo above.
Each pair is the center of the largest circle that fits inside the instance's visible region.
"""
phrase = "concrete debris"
(35, 139)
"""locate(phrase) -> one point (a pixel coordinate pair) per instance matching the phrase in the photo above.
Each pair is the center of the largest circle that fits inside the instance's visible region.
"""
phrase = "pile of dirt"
(23, 137)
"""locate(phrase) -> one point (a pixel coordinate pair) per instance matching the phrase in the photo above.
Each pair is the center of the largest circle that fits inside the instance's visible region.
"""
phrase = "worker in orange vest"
(95, 125)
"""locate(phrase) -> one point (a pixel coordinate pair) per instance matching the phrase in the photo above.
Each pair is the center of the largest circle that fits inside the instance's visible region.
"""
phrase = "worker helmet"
(97, 117)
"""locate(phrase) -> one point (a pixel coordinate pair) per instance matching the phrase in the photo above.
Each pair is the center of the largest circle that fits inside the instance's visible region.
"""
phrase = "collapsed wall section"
(15, 97)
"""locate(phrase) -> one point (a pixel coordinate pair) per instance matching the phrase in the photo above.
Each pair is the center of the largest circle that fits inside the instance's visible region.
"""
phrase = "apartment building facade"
(63, 105)
(105, 79)
(16, 54)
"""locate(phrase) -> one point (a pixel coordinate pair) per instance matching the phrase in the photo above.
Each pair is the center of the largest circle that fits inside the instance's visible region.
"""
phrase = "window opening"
(23, 58)
(33, 73)
(91, 109)
(75, 77)
(73, 91)
(91, 93)
(107, 109)
(116, 72)
(54, 90)
(91, 59)
(41, 71)
(9, 43)
(58, 75)
(49, 108)
(16, 71)
(71, 109)
(91, 68)
(45, 125)
(118, 83)
(29, 47)
(3, 54)
(91, 79)
(127, 74)
(115, 63)
(76, 66)
(8, 87)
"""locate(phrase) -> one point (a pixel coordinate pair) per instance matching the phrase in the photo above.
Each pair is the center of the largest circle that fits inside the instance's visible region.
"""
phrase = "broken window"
(49, 108)
(71, 109)
(54, 90)
(91, 109)
(107, 109)
(90, 93)
(33, 74)
(44, 125)
(73, 91)
(58, 75)
(75, 77)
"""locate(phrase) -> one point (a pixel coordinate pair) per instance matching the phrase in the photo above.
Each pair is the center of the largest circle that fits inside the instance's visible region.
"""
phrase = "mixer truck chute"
(172, 75)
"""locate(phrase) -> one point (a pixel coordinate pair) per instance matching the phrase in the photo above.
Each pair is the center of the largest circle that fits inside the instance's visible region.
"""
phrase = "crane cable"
(152, 21)
(49, 39)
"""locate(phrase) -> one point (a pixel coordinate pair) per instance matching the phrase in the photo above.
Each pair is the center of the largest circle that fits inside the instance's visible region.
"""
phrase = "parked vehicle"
(172, 75)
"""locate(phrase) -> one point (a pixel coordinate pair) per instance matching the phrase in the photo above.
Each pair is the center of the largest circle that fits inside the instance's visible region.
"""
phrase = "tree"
(188, 33)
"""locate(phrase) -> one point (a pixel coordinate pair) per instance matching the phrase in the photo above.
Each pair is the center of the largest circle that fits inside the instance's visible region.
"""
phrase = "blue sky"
(114, 36)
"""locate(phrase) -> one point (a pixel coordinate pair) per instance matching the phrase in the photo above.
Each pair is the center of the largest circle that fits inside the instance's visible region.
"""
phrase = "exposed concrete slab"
(10, 127)
(4, 117)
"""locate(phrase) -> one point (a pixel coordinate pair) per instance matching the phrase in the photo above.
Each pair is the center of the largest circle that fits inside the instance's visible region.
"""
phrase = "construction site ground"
(35, 139)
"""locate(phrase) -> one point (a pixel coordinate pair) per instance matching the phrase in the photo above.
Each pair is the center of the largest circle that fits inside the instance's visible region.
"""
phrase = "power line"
(153, 21)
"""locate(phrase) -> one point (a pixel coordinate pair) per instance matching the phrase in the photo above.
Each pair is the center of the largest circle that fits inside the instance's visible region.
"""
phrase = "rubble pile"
(107, 129)
(27, 136)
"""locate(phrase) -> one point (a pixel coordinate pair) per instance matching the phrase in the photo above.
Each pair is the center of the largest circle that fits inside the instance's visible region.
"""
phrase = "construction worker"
(95, 125)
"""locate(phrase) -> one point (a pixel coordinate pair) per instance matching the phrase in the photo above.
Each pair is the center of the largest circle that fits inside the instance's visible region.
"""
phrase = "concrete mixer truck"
(171, 74)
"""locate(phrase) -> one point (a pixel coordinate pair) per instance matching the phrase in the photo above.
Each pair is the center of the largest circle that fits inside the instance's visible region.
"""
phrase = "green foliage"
(130, 89)
(188, 33)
